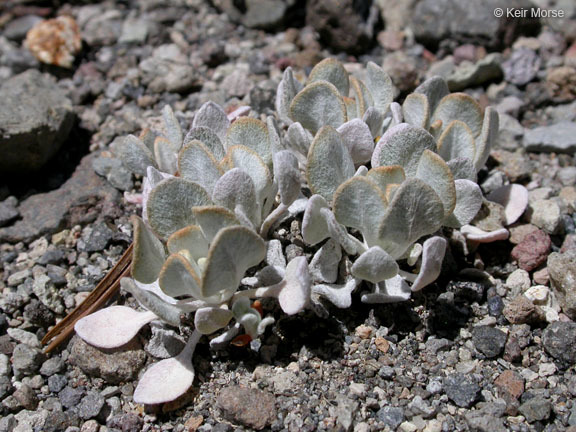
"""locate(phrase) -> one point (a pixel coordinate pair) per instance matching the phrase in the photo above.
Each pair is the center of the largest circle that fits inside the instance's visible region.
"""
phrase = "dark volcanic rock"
(559, 340)
(35, 119)
(83, 198)
(488, 340)
(263, 14)
(461, 390)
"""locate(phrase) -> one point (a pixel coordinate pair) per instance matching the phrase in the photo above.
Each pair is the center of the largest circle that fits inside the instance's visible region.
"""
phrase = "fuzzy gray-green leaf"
(196, 163)
(380, 86)
(457, 141)
(433, 170)
(487, 137)
(251, 133)
(375, 265)
(236, 189)
(189, 241)
(416, 110)
(331, 70)
(170, 203)
(212, 116)
(317, 105)
(148, 254)
(329, 163)
(209, 138)
(135, 155)
(179, 278)
(459, 106)
(434, 88)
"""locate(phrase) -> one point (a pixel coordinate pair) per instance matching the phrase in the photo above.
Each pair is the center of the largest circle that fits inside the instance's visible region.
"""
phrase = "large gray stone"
(562, 270)
(35, 119)
(559, 138)
(434, 20)
(263, 14)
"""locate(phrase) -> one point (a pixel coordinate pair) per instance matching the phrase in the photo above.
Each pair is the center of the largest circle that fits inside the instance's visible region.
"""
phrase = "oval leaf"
(148, 253)
(295, 295)
(459, 106)
(135, 155)
(212, 219)
(189, 241)
(211, 319)
(487, 137)
(514, 198)
(358, 140)
(235, 190)
(433, 251)
(213, 117)
(317, 105)
(375, 265)
(287, 176)
(380, 86)
(433, 170)
(252, 133)
(434, 88)
(403, 145)
(196, 163)
(314, 225)
(329, 163)
(416, 110)
(207, 137)
(179, 278)
(248, 161)
(468, 203)
(456, 141)
(385, 176)
(233, 251)
(169, 206)
(112, 327)
(331, 70)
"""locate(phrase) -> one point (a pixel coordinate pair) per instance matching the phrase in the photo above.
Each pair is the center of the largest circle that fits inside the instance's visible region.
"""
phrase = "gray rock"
(8, 212)
(8, 423)
(95, 238)
(57, 383)
(164, 343)
(567, 176)
(5, 386)
(487, 419)
(26, 397)
(562, 271)
(250, 407)
(16, 29)
(134, 30)
(90, 405)
(522, 66)
(168, 69)
(52, 366)
(35, 119)
(129, 422)
(559, 340)
(26, 359)
(71, 396)
(536, 409)
(462, 390)
(51, 256)
(116, 365)
(345, 411)
(559, 138)
(263, 14)
(474, 74)
(546, 214)
(81, 199)
(396, 13)
(344, 25)
(434, 20)
(510, 134)
(391, 416)
(488, 340)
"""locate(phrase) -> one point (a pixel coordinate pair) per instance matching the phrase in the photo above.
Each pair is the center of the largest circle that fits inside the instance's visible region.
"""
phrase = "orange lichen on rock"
(55, 41)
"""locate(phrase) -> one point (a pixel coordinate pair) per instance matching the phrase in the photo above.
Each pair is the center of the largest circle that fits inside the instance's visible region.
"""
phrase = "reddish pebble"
(532, 251)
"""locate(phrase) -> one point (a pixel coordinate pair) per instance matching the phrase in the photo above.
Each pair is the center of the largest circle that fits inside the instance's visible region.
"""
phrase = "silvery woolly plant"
(376, 182)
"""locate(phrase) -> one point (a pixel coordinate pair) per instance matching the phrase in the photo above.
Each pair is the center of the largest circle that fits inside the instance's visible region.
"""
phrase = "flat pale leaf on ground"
(135, 155)
(236, 189)
(197, 163)
(358, 139)
(433, 251)
(210, 319)
(233, 251)
(457, 141)
(403, 145)
(295, 295)
(514, 198)
(287, 176)
(385, 176)
(179, 277)
(416, 110)
(329, 163)
(314, 226)
(189, 241)
(318, 104)
(212, 219)
(331, 70)
(362, 95)
(248, 161)
(166, 155)
(209, 138)
(169, 206)
(212, 116)
(415, 210)
(435, 88)
(148, 254)
(168, 379)
(252, 133)
(375, 265)
(339, 295)
(487, 137)
(380, 86)
(459, 106)
(435, 172)
(468, 203)
(359, 203)
(113, 326)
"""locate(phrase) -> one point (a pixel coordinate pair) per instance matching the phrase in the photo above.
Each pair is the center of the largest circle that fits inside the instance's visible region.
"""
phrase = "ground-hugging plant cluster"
(377, 179)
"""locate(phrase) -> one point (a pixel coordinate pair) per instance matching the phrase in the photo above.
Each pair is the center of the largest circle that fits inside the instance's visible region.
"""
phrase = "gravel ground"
(491, 346)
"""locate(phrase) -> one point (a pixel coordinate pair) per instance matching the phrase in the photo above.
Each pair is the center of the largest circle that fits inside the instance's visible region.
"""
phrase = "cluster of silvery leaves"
(374, 179)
